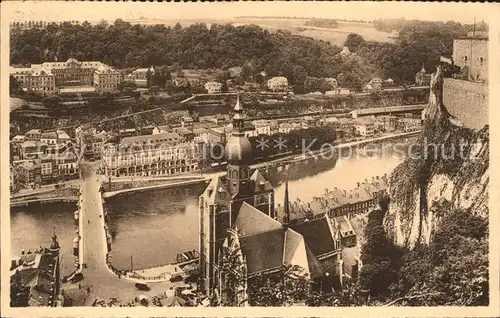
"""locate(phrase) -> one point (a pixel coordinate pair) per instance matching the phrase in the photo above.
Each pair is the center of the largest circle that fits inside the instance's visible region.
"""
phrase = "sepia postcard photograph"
(287, 157)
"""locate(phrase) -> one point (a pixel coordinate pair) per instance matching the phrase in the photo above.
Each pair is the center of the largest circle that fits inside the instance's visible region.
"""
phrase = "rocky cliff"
(446, 169)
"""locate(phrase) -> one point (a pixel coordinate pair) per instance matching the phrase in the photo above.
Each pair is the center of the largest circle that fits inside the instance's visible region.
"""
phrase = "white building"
(285, 128)
(150, 155)
(213, 87)
(262, 127)
(201, 135)
(49, 138)
(140, 76)
(364, 127)
(106, 79)
(279, 83)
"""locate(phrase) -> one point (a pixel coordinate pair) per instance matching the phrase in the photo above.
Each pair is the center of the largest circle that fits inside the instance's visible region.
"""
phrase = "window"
(481, 60)
(465, 58)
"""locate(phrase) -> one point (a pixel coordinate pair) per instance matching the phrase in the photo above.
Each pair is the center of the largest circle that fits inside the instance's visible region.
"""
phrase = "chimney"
(373, 179)
(345, 192)
(366, 180)
(335, 188)
(378, 177)
(358, 184)
(326, 191)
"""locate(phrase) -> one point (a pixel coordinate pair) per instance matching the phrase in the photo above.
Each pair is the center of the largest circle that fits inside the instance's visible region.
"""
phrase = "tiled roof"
(151, 139)
(251, 221)
(216, 192)
(199, 131)
(49, 135)
(317, 235)
(316, 269)
(344, 226)
(357, 223)
(292, 242)
(182, 131)
(34, 131)
(260, 183)
(263, 251)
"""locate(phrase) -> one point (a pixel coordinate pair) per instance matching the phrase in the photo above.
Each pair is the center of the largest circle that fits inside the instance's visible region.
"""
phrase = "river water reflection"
(153, 226)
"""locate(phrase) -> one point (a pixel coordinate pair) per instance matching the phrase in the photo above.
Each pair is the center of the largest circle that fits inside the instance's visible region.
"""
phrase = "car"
(141, 286)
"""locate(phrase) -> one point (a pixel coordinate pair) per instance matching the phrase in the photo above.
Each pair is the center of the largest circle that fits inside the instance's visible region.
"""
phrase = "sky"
(95, 11)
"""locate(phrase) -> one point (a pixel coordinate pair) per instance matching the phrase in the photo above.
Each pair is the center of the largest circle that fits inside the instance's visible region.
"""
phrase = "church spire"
(286, 206)
(238, 118)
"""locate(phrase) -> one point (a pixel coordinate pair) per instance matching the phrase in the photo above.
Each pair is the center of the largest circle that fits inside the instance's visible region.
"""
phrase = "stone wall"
(472, 53)
(468, 101)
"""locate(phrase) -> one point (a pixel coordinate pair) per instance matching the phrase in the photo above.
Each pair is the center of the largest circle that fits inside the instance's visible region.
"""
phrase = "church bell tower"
(238, 153)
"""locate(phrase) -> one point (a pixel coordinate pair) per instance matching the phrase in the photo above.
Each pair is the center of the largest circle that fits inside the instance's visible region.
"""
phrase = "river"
(153, 226)
(33, 226)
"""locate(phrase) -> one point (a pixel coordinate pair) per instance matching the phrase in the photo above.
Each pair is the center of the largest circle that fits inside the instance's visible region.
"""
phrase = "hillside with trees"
(123, 45)
(199, 46)
(322, 23)
(417, 43)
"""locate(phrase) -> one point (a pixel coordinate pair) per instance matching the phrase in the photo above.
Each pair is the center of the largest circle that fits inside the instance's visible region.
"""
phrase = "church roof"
(260, 183)
(251, 221)
(216, 192)
(264, 251)
(292, 241)
(316, 269)
(317, 234)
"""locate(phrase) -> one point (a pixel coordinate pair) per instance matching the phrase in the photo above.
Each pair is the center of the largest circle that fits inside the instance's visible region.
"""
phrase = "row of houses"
(42, 157)
(339, 203)
(369, 126)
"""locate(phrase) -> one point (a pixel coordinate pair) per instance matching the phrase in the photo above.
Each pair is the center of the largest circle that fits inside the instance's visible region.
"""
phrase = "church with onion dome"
(237, 212)
(224, 196)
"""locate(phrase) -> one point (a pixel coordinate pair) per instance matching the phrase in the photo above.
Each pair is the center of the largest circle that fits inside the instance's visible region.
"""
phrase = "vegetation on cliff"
(451, 271)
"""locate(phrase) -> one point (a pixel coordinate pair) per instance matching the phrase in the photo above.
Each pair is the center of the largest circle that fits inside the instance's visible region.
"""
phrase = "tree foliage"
(285, 288)
(19, 294)
(322, 23)
(124, 45)
(453, 269)
(380, 257)
(353, 42)
(417, 43)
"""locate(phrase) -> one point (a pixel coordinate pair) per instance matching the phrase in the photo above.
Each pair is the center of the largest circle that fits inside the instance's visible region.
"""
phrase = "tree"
(14, 85)
(127, 86)
(51, 101)
(19, 294)
(353, 42)
(453, 269)
(287, 287)
(224, 88)
(380, 257)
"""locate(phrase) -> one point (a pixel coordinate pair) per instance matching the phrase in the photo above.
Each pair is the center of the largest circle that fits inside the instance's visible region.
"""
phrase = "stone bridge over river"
(102, 281)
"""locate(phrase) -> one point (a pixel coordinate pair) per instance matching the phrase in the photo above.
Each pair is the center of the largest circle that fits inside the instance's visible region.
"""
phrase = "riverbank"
(166, 184)
(69, 194)
(172, 182)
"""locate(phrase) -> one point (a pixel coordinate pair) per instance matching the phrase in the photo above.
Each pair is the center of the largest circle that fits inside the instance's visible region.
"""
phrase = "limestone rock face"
(449, 167)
